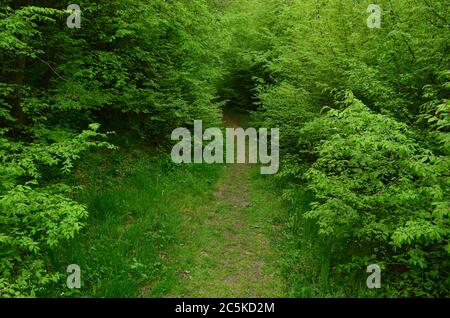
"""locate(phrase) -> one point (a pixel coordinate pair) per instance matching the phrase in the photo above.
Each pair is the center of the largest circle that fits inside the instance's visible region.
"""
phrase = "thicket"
(364, 121)
(140, 66)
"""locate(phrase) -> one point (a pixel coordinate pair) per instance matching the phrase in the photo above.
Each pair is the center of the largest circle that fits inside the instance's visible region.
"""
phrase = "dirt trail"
(227, 251)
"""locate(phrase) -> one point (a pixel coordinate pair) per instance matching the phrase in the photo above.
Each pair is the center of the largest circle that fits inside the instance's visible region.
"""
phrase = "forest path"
(226, 248)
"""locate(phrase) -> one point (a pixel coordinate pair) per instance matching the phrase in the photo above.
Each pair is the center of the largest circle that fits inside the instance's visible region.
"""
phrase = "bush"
(35, 215)
(375, 187)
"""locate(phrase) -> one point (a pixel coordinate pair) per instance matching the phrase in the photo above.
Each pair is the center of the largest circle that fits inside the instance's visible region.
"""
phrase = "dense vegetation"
(363, 115)
(365, 126)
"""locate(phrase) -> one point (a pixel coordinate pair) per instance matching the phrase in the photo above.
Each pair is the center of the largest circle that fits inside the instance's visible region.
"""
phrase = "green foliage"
(135, 212)
(435, 112)
(152, 64)
(33, 221)
(374, 185)
(35, 214)
(363, 115)
(144, 66)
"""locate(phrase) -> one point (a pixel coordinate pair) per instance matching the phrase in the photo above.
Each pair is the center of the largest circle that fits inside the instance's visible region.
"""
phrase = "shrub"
(375, 187)
(36, 215)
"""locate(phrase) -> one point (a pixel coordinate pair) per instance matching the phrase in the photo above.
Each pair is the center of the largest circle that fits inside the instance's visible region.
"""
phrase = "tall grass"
(310, 261)
(134, 199)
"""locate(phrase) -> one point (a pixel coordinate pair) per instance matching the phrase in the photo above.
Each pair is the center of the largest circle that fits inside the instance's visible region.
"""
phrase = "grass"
(310, 261)
(226, 249)
(162, 230)
(134, 199)
(225, 245)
